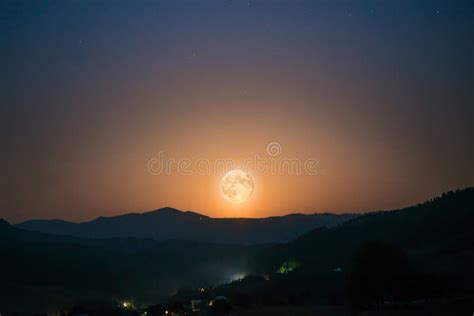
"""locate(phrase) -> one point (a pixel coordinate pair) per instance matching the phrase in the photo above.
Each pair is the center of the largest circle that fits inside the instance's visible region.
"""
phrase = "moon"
(237, 186)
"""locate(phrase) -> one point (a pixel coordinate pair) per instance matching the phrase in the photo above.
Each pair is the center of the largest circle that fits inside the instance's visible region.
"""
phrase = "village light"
(126, 305)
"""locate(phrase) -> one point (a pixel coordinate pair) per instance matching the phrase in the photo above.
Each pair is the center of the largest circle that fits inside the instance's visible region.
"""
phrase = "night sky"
(380, 92)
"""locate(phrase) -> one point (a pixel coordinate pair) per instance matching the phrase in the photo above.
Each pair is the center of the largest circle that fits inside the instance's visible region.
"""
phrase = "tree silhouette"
(380, 274)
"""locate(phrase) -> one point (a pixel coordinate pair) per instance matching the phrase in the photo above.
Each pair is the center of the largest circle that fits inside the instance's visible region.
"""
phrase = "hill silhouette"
(41, 271)
(443, 225)
(430, 246)
(416, 254)
(171, 224)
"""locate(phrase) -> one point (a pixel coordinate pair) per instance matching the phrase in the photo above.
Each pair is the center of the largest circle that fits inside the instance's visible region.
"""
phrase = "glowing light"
(288, 266)
(238, 276)
(126, 305)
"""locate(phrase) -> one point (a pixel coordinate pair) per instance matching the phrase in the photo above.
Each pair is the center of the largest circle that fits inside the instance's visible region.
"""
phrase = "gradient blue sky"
(381, 92)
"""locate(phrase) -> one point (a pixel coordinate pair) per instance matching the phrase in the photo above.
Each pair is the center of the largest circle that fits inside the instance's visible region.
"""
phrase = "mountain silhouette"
(171, 224)
(42, 270)
(422, 255)
(438, 230)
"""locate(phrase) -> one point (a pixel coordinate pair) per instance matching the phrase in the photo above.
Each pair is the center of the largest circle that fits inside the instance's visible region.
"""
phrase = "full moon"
(237, 186)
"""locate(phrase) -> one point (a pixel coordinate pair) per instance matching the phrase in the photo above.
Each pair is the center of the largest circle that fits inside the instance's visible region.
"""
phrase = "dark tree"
(380, 274)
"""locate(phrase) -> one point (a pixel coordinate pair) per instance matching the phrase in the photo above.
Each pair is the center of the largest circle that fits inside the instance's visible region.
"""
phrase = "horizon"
(358, 212)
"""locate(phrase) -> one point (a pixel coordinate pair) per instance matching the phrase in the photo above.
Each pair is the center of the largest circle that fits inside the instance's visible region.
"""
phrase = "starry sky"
(379, 92)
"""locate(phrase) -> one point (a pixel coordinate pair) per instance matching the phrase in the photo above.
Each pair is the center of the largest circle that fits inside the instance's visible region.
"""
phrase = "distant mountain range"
(171, 224)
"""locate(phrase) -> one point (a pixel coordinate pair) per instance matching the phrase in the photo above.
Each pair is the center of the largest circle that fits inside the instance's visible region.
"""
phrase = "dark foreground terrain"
(417, 260)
